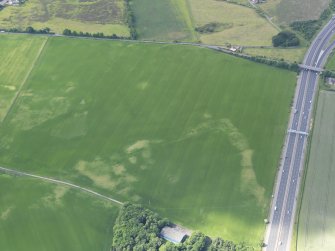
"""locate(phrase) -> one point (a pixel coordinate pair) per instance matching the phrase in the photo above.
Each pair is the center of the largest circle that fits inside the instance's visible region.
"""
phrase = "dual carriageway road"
(279, 230)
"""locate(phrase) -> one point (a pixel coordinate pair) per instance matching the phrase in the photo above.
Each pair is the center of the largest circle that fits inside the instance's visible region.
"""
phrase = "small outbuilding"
(174, 234)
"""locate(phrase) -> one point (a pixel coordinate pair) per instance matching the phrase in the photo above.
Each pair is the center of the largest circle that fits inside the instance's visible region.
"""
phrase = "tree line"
(31, 30)
(276, 63)
(131, 21)
(68, 32)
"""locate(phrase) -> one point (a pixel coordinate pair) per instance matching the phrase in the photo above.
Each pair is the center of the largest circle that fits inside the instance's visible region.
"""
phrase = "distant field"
(39, 216)
(163, 20)
(317, 222)
(17, 57)
(92, 16)
(243, 25)
(296, 54)
(177, 128)
(287, 11)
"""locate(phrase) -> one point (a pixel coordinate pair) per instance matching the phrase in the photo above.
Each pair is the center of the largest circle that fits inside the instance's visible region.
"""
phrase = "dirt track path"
(55, 181)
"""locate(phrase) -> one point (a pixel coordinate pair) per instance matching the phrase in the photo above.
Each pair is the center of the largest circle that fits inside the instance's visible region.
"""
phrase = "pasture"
(244, 25)
(176, 128)
(166, 20)
(285, 12)
(41, 216)
(91, 16)
(290, 54)
(316, 221)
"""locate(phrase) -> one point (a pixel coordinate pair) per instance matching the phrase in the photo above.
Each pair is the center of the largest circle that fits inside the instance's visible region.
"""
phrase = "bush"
(285, 39)
(306, 28)
(213, 27)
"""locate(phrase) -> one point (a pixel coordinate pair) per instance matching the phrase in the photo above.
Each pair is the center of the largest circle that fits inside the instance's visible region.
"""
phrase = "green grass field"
(18, 55)
(244, 25)
(176, 128)
(163, 20)
(287, 11)
(291, 55)
(41, 216)
(316, 221)
(91, 16)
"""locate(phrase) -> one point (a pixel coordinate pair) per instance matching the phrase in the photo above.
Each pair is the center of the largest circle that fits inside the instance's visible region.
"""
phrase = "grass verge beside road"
(291, 54)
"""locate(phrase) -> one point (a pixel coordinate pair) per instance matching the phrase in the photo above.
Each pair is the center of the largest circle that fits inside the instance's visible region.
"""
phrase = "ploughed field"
(193, 134)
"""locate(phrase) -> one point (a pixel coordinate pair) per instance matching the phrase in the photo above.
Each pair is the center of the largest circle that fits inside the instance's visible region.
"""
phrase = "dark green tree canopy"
(285, 39)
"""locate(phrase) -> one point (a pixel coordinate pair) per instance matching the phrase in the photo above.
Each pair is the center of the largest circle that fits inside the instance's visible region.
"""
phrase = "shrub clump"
(137, 228)
(285, 39)
(306, 28)
(213, 27)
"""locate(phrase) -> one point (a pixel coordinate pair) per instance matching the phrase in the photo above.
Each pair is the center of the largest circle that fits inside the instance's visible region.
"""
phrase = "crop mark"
(55, 199)
(24, 81)
(5, 214)
(249, 182)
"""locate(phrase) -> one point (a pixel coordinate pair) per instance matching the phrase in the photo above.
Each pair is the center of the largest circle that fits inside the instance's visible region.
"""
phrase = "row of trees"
(131, 20)
(276, 63)
(68, 32)
(199, 242)
(30, 29)
(46, 30)
(138, 229)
